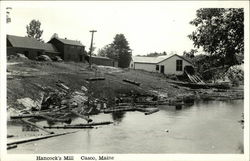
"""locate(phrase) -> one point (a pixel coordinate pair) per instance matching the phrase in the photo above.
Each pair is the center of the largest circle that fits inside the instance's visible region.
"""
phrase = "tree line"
(219, 33)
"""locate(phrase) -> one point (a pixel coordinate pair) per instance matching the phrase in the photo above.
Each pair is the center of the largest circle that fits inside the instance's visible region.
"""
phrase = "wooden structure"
(70, 50)
(30, 47)
(167, 64)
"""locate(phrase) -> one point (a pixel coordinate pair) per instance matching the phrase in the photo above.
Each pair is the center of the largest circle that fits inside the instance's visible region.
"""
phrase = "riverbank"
(33, 80)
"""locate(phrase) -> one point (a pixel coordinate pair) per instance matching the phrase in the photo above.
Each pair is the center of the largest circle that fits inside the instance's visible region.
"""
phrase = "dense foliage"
(33, 30)
(220, 32)
(118, 50)
(155, 54)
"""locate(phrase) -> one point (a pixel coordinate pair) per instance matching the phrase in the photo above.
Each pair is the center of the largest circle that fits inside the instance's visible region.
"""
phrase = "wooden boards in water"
(25, 140)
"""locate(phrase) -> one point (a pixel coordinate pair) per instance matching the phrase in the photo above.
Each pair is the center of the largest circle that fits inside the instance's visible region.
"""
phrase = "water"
(205, 127)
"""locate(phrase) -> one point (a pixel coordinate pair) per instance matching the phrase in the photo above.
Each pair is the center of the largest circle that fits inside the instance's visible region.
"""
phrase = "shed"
(105, 61)
(167, 64)
(71, 50)
(30, 47)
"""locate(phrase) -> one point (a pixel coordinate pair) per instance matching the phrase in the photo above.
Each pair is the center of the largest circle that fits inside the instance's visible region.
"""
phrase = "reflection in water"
(178, 107)
(206, 127)
(118, 116)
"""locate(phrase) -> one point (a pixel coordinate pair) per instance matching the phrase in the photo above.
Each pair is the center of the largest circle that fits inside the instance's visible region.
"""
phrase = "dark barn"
(70, 50)
(30, 47)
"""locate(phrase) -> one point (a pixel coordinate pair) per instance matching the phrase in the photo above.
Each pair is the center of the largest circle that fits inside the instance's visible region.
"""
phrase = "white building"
(167, 64)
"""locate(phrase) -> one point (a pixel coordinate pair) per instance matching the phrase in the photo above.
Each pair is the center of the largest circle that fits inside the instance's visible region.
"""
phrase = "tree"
(118, 50)
(55, 35)
(155, 54)
(190, 54)
(121, 46)
(33, 30)
(220, 32)
(109, 51)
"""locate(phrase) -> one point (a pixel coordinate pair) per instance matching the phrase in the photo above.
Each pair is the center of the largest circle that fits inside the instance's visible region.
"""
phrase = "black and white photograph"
(102, 80)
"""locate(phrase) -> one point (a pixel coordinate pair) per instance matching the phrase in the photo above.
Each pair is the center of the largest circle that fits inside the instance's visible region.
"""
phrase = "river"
(205, 127)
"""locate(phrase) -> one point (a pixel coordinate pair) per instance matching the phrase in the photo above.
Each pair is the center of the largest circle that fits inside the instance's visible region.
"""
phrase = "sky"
(148, 26)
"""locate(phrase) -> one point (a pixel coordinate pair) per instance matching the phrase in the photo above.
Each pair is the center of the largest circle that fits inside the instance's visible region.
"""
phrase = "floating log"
(81, 116)
(41, 116)
(141, 109)
(10, 136)
(132, 82)
(25, 140)
(68, 127)
(37, 126)
(95, 79)
(23, 116)
(123, 108)
(93, 124)
(68, 121)
(151, 111)
(11, 146)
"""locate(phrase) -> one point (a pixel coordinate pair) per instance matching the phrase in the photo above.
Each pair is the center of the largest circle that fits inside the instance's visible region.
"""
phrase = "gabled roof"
(30, 43)
(69, 42)
(155, 60)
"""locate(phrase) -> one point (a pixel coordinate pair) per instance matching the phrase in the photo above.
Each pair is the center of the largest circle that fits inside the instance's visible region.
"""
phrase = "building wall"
(30, 53)
(73, 53)
(145, 66)
(104, 61)
(170, 65)
(69, 52)
(59, 46)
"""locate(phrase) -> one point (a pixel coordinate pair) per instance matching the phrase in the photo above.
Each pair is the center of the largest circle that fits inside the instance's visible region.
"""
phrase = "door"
(162, 69)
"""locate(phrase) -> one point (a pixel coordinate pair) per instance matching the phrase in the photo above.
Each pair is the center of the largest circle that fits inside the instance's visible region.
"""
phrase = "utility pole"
(91, 46)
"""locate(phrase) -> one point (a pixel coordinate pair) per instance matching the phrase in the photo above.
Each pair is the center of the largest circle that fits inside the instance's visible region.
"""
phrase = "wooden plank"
(11, 146)
(93, 124)
(95, 79)
(41, 116)
(25, 140)
(151, 111)
(68, 127)
(37, 126)
(131, 82)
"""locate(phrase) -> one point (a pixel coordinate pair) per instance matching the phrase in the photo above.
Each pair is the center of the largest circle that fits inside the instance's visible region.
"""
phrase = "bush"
(236, 74)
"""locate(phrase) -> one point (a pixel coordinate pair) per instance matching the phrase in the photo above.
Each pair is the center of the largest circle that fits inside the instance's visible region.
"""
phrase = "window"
(157, 67)
(178, 65)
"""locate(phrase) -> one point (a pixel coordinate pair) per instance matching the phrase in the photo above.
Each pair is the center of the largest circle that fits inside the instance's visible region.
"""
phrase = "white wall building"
(167, 64)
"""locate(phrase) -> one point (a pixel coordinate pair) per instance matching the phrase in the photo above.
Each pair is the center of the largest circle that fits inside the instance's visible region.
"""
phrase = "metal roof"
(101, 57)
(70, 42)
(30, 43)
(154, 60)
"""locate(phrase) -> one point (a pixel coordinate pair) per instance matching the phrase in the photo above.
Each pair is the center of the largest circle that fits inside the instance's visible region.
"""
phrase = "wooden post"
(91, 46)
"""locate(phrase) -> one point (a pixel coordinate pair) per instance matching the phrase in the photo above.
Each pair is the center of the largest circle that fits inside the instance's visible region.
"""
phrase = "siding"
(145, 66)
(170, 65)
(69, 52)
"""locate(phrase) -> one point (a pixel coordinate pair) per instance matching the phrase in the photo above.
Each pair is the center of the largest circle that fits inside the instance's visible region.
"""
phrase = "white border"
(125, 157)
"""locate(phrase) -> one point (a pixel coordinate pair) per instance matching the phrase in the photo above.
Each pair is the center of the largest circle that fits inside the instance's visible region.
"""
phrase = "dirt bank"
(29, 79)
